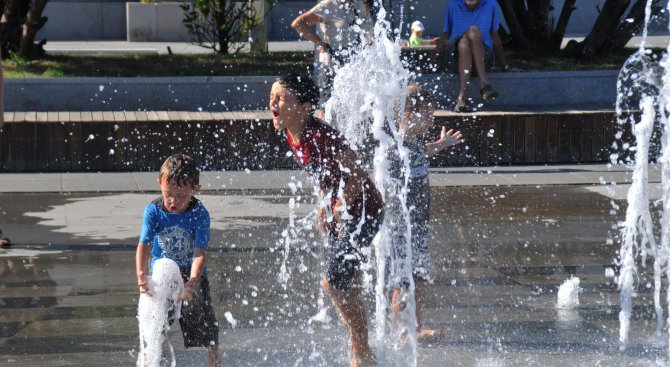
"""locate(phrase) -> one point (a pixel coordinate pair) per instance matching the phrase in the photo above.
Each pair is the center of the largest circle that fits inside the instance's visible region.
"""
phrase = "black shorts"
(451, 57)
(198, 322)
(344, 256)
(418, 200)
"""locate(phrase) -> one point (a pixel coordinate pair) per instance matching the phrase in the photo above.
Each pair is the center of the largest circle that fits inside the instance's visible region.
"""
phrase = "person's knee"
(474, 32)
(463, 46)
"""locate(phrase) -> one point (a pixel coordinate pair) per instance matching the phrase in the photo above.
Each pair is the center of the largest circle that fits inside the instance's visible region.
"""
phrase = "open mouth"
(275, 114)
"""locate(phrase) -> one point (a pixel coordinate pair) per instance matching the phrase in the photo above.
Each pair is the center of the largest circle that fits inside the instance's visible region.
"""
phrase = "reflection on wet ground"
(498, 257)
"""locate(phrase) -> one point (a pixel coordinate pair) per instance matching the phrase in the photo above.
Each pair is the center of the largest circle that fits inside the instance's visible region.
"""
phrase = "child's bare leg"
(398, 305)
(213, 355)
(349, 304)
(421, 333)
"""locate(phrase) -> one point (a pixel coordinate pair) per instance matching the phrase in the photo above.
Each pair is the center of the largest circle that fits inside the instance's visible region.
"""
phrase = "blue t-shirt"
(175, 235)
(458, 18)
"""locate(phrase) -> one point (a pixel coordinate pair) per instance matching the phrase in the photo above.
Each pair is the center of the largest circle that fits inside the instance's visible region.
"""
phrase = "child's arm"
(441, 43)
(196, 271)
(304, 25)
(141, 259)
(447, 139)
(353, 186)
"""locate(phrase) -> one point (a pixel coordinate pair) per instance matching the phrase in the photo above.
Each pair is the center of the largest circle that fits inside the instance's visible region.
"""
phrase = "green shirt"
(415, 40)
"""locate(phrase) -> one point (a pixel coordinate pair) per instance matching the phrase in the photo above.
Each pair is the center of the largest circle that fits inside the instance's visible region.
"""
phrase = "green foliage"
(55, 71)
(222, 25)
(18, 60)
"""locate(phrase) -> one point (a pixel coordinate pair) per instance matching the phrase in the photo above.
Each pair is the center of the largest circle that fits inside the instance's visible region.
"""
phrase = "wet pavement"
(499, 252)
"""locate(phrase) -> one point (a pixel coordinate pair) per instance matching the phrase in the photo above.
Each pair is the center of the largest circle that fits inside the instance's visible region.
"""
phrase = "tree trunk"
(9, 25)
(221, 20)
(603, 29)
(515, 28)
(556, 38)
(520, 10)
(627, 29)
(538, 26)
(34, 22)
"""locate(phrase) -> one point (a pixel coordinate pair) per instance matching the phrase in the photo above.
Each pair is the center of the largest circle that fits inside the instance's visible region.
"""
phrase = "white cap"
(417, 26)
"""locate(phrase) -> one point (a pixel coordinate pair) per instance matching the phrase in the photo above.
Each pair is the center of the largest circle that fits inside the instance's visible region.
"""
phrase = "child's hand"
(322, 220)
(143, 284)
(323, 47)
(189, 289)
(340, 216)
(449, 138)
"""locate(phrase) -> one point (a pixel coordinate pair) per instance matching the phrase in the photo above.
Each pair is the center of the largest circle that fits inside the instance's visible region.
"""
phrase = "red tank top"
(318, 152)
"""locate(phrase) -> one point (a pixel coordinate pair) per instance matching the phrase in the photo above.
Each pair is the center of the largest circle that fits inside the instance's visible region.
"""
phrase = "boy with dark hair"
(176, 226)
(418, 119)
(353, 207)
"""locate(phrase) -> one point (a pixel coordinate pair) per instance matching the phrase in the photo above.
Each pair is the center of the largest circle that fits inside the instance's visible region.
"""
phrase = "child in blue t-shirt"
(176, 226)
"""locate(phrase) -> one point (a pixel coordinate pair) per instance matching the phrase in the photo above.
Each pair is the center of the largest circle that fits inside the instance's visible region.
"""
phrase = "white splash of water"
(638, 79)
(568, 294)
(367, 95)
(231, 320)
(165, 286)
(288, 236)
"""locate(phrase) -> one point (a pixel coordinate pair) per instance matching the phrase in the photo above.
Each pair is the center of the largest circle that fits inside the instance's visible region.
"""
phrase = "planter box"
(155, 22)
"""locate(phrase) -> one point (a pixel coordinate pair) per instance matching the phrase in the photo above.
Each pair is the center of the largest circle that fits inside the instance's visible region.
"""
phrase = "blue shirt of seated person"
(486, 16)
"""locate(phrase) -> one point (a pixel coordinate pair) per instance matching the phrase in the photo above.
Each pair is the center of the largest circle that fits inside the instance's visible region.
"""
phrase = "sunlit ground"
(498, 257)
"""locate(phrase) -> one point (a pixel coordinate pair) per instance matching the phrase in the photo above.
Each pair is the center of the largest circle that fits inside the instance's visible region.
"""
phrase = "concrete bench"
(235, 140)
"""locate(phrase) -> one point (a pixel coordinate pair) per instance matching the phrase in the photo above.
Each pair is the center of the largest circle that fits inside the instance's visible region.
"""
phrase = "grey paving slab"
(30, 182)
(278, 180)
(146, 181)
(125, 47)
(109, 181)
(94, 48)
(498, 255)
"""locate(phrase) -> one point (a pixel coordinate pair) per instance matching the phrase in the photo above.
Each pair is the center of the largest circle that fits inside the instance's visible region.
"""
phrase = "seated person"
(470, 39)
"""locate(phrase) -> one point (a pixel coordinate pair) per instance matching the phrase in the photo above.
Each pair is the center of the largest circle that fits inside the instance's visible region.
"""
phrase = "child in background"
(418, 113)
(176, 226)
(416, 36)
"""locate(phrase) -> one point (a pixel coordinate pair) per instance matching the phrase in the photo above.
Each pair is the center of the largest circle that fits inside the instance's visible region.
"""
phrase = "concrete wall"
(155, 22)
(92, 20)
(84, 21)
(280, 18)
(558, 90)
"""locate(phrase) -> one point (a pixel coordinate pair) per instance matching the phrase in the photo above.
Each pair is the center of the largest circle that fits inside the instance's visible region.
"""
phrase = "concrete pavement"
(161, 48)
(213, 181)
(502, 241)
(106, 208)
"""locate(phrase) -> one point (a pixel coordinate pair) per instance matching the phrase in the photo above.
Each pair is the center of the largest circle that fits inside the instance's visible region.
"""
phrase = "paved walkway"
(161, 48)
(581, 174)
(105, 208)
(125, 47)
(502, 241)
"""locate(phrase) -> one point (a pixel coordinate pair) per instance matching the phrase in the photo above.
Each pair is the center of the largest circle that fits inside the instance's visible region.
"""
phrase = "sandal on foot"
(462, 106)
(488, 93)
